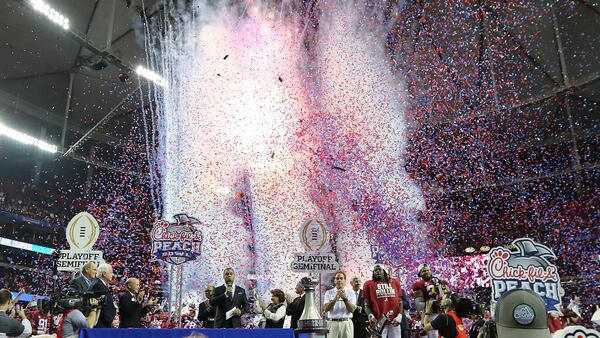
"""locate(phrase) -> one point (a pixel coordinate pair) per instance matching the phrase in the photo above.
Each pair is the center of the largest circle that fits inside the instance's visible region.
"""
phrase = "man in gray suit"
(85, 280)
(10, 326)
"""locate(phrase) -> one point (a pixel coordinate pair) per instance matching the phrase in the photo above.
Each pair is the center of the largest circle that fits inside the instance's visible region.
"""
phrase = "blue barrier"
(182, 333)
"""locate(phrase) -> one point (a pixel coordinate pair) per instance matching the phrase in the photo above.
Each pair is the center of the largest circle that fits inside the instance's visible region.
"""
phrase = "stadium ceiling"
(59, 84)
(56, 84)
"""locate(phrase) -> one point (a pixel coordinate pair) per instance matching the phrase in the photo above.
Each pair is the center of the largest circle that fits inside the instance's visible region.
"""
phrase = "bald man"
(132, 305)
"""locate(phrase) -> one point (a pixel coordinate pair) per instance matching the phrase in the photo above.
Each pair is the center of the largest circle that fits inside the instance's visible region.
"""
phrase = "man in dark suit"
(360, 318)
(83, 282)
(230, 302)
(206, 312)
(108, 311)
(85, 279)
(296, 307)
(132, 305)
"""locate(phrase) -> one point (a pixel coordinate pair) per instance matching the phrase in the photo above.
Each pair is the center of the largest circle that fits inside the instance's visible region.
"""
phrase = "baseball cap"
(521, 313)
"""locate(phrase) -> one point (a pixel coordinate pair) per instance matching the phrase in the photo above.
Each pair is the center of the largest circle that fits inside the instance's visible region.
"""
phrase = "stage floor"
(191, 333)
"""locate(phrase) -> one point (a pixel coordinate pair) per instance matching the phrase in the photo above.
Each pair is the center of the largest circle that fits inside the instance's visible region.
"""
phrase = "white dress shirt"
(339, 310)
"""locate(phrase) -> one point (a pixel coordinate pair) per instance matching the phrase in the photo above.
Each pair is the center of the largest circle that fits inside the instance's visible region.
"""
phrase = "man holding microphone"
(230, 302)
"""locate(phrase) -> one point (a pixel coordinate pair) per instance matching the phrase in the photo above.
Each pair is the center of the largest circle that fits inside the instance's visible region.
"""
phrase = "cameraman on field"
(450, 323)
(73, 320)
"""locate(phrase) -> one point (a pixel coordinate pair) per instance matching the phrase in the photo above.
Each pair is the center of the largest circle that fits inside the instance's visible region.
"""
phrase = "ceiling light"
(470, 250)
(24, 138)
(50, 13)
(150, 75)
(484, 248)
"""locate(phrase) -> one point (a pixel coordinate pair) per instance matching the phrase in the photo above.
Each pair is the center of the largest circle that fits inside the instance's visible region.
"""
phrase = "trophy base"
(312, 333)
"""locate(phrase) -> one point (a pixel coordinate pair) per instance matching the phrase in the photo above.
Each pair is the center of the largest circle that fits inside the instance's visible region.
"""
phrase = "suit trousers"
(343, 329)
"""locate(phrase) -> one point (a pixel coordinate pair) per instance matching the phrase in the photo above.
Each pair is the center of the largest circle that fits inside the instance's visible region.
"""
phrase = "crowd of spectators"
(40, 203)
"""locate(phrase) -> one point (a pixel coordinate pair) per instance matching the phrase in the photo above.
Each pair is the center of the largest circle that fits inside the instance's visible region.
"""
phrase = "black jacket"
(79, 284)
(206, 315)
(130, 311)
(107, 308)
(360, 318)
(295, 310)
(10, 326)
(222, 304)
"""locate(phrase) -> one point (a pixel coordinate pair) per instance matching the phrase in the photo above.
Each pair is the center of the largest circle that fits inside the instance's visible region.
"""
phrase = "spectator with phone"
(10, 326)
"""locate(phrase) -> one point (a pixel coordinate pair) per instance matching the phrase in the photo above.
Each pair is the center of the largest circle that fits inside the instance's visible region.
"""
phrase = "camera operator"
(10, 326)
(450, 324)
(73, 320)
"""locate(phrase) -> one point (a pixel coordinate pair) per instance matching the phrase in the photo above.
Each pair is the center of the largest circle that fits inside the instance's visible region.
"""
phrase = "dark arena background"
(418, 131)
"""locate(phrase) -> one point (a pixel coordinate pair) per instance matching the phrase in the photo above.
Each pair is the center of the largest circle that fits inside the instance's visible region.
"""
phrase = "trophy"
(375, 329)
(310, 324)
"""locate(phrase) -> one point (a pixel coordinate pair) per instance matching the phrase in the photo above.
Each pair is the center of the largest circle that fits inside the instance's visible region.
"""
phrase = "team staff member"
(340, 303)
(206, 312)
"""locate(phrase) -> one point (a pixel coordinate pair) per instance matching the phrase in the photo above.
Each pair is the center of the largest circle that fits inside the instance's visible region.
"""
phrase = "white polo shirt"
(339, 310)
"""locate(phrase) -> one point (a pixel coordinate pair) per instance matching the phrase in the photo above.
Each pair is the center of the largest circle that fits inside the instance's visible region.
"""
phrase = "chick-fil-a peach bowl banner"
(177, 242)
(525, 264)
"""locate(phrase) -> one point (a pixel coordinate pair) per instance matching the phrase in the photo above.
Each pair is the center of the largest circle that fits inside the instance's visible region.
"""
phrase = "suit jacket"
(79, 284)
(206, 315)
(222, 304)
(107, 308)
(295, 310)
(130, 311)
(360, 318)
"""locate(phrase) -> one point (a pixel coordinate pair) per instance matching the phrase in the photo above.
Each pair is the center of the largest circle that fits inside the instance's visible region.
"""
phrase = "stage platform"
(192, 333)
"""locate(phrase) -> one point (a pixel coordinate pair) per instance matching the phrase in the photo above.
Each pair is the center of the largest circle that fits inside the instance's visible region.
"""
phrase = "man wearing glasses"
(340, 303)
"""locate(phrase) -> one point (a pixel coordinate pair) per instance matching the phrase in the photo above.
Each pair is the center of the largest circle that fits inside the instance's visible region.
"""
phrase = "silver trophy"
(310, 324)
(376, 328)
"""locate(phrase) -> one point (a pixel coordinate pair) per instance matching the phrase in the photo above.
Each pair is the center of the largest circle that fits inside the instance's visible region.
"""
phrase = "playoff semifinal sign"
(525, 266)
(313, 235)
(178, 242)
(82, 233)
(314, 262)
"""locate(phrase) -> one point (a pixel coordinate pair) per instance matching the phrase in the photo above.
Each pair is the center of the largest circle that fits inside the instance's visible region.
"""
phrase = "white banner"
(72, 260)
(314, 262)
